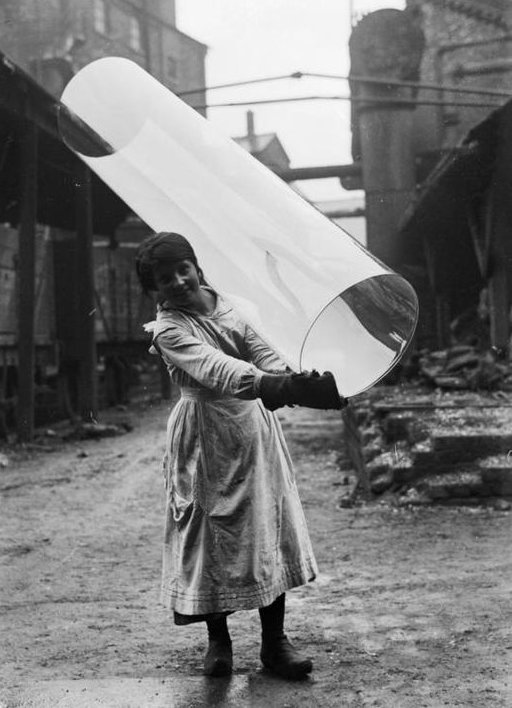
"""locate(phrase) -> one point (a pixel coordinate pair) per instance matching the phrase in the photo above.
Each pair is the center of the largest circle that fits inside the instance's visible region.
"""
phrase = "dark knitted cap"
(164, 246)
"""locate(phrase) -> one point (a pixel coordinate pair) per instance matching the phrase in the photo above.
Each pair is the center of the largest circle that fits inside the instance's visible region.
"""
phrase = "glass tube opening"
(361, 334)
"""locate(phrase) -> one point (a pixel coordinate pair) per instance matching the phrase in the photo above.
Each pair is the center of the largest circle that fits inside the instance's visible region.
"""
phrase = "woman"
(235, 532)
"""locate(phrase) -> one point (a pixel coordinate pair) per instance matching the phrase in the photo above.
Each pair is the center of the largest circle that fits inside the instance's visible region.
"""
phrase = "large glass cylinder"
(307, 287)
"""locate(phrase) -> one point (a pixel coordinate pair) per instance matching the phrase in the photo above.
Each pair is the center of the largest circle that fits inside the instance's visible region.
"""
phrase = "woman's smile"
(182, 294)
(179, 283)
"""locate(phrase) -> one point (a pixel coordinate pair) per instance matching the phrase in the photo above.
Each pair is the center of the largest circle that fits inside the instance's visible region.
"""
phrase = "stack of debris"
(424, 446)
(465, 367)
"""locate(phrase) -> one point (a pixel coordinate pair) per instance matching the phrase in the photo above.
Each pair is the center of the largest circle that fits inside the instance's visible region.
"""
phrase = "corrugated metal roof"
(459, 176)
(23, 99)
(440, 214)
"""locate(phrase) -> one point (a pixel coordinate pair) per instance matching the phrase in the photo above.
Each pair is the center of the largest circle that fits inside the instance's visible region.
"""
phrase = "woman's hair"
(164, 246)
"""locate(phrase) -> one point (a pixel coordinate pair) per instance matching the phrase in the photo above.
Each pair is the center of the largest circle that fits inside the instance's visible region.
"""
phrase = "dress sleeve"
(262, 355)
(206, 364)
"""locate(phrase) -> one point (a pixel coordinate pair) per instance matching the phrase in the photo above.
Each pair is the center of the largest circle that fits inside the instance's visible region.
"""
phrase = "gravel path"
(411, 608)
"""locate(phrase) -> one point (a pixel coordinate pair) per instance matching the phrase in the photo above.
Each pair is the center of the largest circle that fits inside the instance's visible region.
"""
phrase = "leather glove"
(308, 389)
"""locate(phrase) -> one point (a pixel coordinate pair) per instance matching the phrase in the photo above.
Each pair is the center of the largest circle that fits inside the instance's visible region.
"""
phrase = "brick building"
(51, 39)
(468, 44)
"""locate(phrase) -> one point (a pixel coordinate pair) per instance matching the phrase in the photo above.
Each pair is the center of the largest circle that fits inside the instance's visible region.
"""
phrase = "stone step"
(486, 476)
(444, 449)
(406, 464)
(399, 463)
(461, 444)
(460, 484)
(407, 425)
(496, 472)
(403, 425)
(468, 445)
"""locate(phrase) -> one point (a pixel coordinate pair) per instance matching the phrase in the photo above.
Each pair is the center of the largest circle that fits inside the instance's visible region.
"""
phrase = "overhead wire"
(417, 84)
(353, 99)
(481, 90)
(233, 84)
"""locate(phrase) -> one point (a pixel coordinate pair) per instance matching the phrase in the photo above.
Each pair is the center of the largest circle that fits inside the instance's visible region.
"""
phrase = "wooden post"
(354, 444)
(500, 218)
(87, 382)
(26, 281)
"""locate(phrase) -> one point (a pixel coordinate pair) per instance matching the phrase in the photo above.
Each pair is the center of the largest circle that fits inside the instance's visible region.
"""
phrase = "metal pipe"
(304, 173)
(483, 67)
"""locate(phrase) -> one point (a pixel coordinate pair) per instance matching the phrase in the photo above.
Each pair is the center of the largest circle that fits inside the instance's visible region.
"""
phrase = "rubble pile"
(465, 367)
(421, 445)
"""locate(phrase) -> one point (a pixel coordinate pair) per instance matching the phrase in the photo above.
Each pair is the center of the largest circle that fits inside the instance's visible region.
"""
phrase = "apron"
(235, 532)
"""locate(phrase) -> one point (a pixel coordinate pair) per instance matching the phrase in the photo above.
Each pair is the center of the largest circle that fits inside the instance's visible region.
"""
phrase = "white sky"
(252, 39)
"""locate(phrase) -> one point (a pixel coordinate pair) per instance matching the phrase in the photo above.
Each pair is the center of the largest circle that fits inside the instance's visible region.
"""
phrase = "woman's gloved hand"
(309, 389)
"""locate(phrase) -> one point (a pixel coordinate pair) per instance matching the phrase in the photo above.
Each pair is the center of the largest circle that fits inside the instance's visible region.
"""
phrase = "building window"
(135, 34)
(101, 16)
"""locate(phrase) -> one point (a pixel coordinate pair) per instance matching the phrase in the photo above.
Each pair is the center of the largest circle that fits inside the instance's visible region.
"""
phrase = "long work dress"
(235, 532)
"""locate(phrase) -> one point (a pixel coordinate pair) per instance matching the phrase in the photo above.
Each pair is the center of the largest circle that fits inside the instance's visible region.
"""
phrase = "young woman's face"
(178, 282)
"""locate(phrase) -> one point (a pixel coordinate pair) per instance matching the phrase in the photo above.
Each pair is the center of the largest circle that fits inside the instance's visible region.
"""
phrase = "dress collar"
(221, 306)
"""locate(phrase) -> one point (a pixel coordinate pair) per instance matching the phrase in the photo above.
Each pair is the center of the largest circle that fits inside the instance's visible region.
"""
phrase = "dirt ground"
(412, 606)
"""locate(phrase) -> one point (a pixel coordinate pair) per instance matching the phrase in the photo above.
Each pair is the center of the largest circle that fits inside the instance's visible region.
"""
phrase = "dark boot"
(218, 660)
(277, 653)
